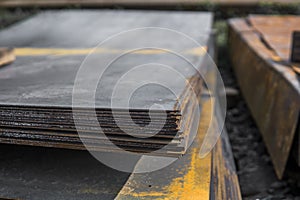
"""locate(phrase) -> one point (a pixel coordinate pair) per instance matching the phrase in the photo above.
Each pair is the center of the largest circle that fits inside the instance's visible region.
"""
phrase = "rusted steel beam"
(268, 82)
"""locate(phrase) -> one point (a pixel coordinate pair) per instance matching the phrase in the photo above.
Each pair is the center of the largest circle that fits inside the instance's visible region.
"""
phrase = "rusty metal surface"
(270, 86)
(278, 39)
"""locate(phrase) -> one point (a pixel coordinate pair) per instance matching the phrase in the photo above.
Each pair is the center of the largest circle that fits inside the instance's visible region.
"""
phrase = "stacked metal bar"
(36, 90)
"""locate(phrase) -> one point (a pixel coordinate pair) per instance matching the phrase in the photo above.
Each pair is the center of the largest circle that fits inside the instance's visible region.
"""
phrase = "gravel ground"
(254, 167)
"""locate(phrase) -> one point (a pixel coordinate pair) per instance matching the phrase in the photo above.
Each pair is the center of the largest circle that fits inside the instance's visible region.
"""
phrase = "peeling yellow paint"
(195, 183)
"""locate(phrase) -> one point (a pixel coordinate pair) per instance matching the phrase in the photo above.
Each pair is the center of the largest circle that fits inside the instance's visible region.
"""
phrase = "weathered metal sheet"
(270, 86)
(37, 89)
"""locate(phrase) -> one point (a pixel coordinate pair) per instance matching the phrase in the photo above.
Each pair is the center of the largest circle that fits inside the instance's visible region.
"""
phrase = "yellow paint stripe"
(65, 52)
(56, 52)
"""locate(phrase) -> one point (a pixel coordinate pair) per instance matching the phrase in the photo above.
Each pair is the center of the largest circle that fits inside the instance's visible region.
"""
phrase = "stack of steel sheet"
(37, 89)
